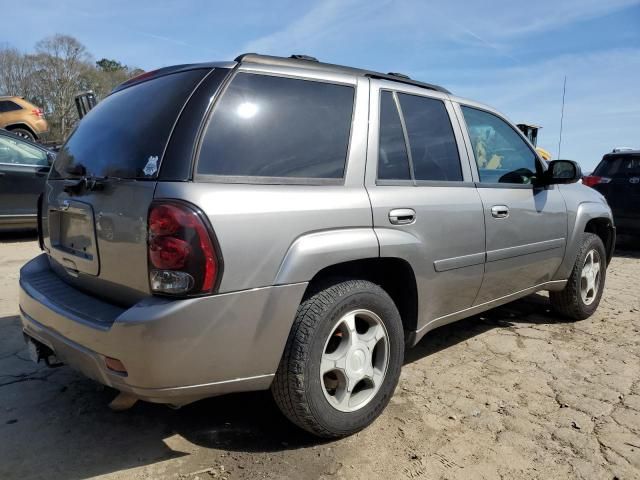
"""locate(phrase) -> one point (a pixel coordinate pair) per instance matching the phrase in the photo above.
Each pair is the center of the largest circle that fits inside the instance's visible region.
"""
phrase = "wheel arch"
(592, 217)
(24, 126)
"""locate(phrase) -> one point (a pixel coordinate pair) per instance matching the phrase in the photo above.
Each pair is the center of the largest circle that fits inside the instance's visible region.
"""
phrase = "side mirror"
(51, 158)
(562, 171)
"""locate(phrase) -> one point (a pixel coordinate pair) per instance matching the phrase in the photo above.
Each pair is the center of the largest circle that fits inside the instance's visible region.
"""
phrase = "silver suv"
(288, 224)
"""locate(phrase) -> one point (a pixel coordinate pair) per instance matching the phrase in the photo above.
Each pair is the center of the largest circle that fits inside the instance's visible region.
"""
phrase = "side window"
(501, 154)
(434, 152)
(16, 152)
(9, 106)
(267, 126)
(393, 161)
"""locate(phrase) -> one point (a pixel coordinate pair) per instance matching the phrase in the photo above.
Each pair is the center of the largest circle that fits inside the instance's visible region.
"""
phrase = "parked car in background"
(22, 118)
(24, 166)
(289, 224)
(617, 177)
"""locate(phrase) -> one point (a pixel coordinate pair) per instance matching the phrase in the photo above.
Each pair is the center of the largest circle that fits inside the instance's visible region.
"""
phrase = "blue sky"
(511, 55)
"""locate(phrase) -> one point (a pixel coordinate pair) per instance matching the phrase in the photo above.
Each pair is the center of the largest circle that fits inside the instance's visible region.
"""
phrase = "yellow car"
(22, 118)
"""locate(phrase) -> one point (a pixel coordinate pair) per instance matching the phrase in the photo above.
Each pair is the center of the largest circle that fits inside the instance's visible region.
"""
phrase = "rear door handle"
(402, 216)
(500, 211)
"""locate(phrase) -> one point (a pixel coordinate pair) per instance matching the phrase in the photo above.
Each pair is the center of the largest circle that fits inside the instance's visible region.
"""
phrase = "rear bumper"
(175, 351)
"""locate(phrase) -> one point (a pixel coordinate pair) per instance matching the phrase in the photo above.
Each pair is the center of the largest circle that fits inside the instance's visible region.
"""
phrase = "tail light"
(38, 112)
(183, 258)
(592, 180)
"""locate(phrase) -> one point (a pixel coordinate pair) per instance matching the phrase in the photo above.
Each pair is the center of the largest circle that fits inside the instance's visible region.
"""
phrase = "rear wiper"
(87, 183)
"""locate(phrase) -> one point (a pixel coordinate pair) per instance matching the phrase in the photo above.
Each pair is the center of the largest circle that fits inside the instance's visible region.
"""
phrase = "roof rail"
(401, 75)
(622, 149)
(313, 63)
(304, 57)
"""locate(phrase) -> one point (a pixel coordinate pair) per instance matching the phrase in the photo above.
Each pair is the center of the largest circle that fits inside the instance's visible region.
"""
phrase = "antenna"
(564, 90)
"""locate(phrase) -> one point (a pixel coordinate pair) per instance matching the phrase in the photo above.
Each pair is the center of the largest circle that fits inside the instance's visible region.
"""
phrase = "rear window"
(620, 166)
(267, 126)
(126, 133)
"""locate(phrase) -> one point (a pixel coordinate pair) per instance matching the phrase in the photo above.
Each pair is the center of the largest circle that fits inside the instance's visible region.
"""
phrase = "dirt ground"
(516, 393)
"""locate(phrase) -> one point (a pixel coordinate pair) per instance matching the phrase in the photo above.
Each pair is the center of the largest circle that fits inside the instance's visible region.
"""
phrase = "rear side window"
(126, 133)
(622, 166)
(434, 152)
(267, 126)
(393, 161)
(9, 106)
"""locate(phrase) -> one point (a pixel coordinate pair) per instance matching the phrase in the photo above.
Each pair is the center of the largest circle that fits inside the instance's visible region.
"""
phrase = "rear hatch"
(619, 182)
(103, 181)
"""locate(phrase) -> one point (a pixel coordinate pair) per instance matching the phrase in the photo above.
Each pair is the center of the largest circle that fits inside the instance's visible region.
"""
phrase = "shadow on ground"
(627, 247)
(19, 236)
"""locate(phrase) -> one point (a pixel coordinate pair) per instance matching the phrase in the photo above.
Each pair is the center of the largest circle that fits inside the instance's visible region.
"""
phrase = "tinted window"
(621, 166)
(9, 106)
(434, 152)
(126, 133)
(16, 152)
(278, 127)
(501, 154)
(393, 161)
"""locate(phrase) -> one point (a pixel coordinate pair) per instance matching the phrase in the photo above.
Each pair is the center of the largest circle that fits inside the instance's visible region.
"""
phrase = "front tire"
(24, 133)
(582, 294)
(342, 360)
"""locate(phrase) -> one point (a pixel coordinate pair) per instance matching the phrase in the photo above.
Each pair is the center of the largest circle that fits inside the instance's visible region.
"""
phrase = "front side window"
(268, 126)
(393, 161)
(434, 152)
(502, 156)
(17, 152)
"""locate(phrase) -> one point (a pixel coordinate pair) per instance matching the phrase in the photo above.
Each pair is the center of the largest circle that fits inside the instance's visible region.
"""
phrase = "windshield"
(125, 135)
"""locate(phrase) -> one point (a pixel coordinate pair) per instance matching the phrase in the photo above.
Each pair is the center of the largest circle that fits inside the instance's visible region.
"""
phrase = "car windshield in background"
(125, 135)
(620, 166)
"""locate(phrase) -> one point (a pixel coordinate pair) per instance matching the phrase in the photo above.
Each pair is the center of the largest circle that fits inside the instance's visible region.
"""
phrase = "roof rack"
(313, 63)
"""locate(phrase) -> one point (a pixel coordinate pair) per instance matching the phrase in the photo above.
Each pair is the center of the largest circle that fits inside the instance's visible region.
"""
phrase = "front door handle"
(500, 211)
(402, 216)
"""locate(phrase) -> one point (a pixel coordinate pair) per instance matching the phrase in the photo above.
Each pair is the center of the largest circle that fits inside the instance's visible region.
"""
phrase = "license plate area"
(73, 237)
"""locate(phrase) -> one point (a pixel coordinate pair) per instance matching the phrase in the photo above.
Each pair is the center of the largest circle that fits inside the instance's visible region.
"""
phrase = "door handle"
(500, 211)
(402, 216)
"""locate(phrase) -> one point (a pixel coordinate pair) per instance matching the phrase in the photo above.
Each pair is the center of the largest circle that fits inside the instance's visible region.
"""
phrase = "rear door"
(426, 209)
(526, 225)
(23, 171)
(103, 181)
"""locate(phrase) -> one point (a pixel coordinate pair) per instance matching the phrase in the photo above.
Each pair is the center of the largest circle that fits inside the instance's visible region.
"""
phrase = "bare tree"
(62, 64)
(59, 69)
(16, 73)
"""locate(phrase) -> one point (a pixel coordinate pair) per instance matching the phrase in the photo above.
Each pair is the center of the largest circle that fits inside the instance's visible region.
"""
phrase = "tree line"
(59, 68)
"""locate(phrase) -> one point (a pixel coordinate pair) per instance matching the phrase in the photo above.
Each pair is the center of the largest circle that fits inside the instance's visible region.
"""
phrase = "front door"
(426, 209)
(526, 225)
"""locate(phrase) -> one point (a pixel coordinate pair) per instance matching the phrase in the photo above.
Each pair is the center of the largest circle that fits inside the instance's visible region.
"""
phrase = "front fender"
(312, 252)
(578, 220)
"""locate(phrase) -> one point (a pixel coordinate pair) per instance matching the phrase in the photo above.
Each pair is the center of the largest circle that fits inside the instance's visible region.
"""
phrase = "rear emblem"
(634, 180)
(65, 205)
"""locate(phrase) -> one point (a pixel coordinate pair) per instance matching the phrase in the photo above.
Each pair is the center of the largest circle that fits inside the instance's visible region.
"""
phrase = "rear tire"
(24, 133)
(582, 294)
(342, 359)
